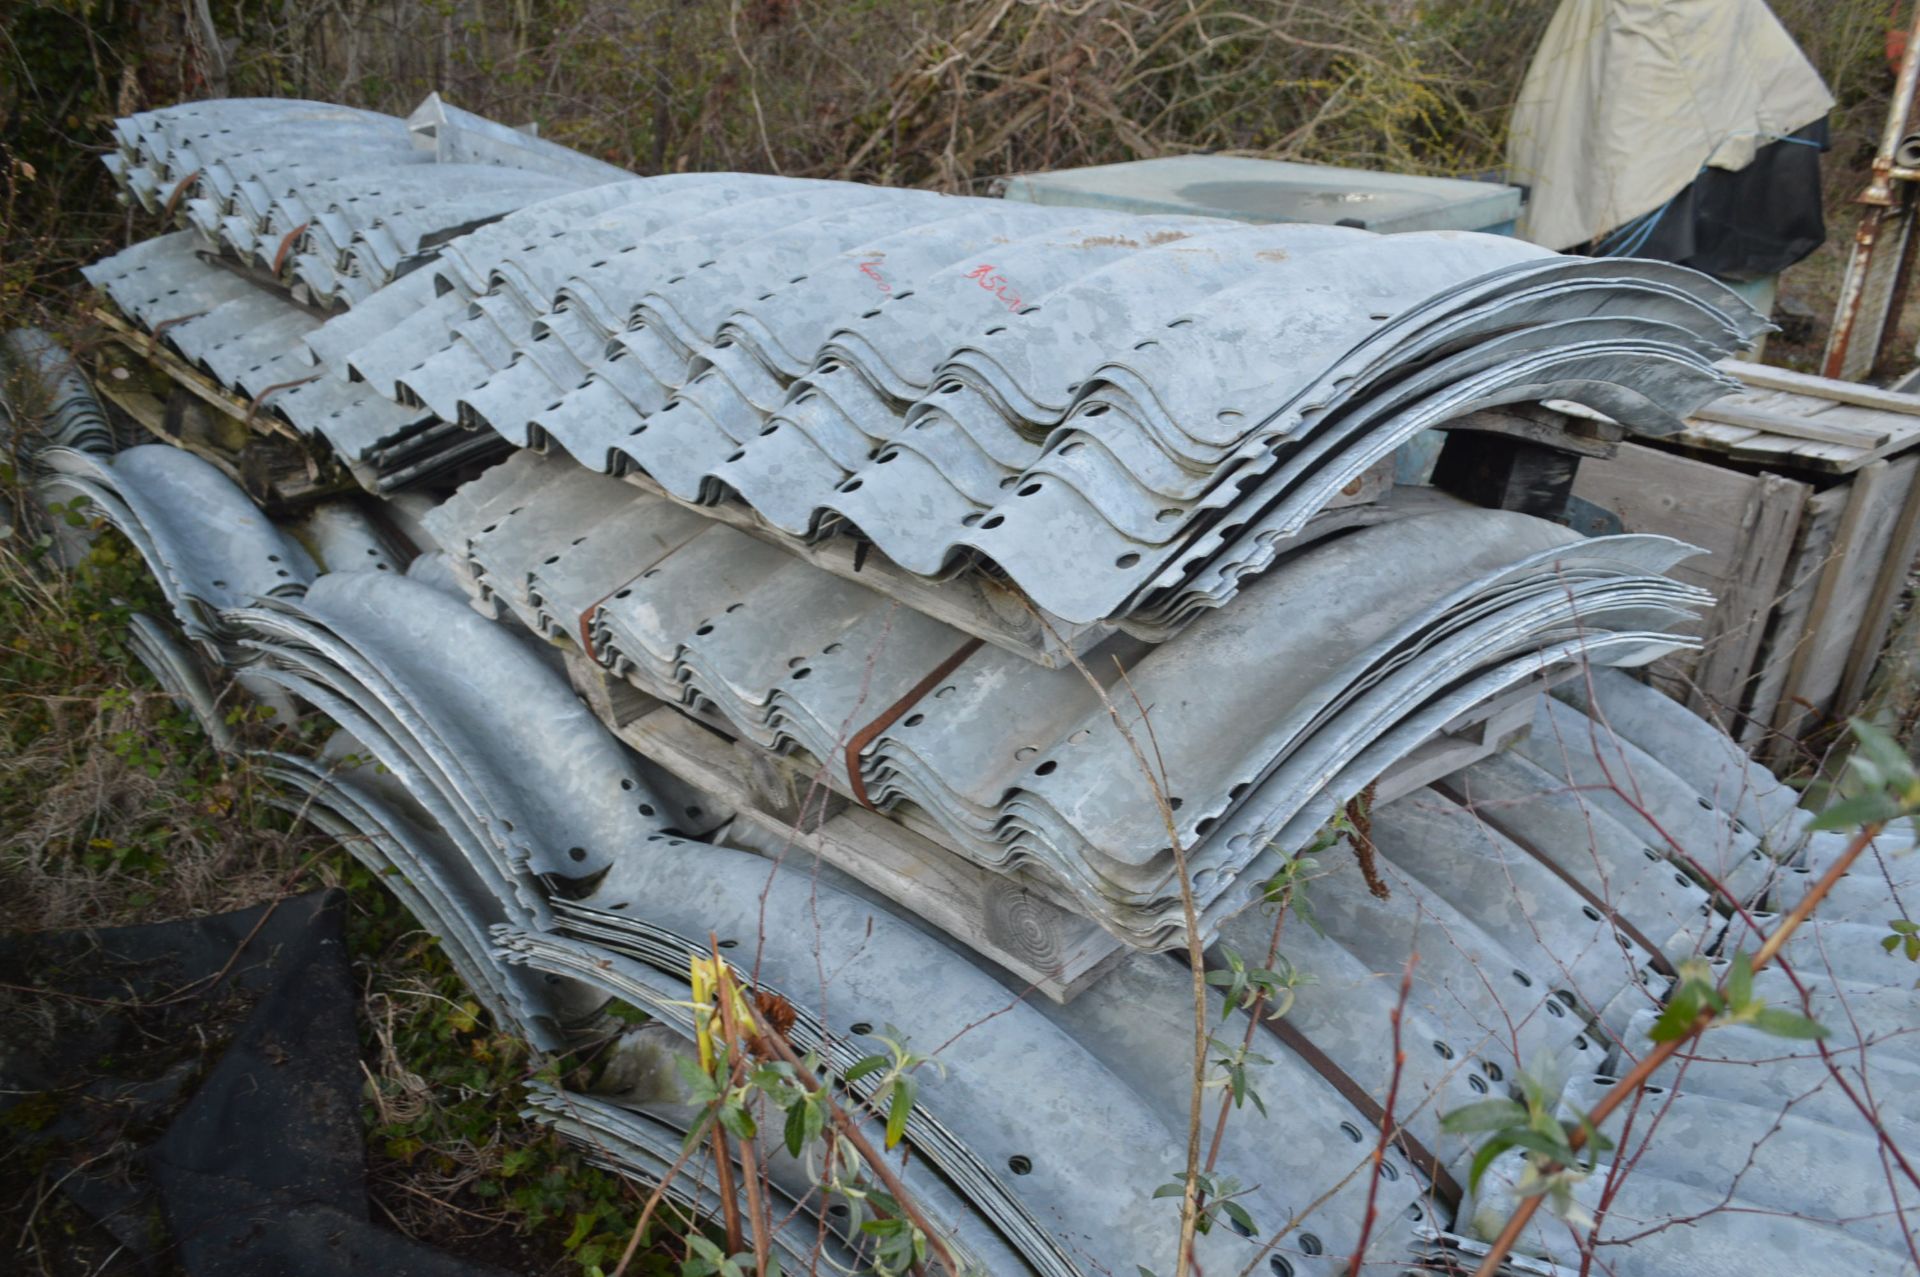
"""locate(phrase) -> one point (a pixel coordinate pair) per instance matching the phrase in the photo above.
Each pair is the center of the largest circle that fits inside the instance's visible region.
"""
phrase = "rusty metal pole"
(1875, 286)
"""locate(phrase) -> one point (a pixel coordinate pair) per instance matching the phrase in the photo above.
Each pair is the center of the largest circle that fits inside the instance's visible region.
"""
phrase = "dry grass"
(114, 807)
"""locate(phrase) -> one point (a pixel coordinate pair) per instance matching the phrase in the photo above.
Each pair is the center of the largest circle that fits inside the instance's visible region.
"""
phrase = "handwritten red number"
(995, 284)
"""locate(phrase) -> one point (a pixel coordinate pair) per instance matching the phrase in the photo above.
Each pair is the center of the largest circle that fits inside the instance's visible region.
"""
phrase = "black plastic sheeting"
(1741, 224)
(262, 1173)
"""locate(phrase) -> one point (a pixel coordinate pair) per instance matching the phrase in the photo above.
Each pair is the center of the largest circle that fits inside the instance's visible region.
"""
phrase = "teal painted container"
(1255, 190)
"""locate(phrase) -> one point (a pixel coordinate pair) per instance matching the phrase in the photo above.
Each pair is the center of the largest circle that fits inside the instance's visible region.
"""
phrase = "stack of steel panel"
(1133, 424)
(1162, 404)
(291, 209)
(210, 548)
(40, 382)
(561, 871)
(1124, 417)
(1355, 648)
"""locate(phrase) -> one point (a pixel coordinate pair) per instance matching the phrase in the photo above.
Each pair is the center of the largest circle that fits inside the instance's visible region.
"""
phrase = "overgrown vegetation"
(944, 93)
(116, 809)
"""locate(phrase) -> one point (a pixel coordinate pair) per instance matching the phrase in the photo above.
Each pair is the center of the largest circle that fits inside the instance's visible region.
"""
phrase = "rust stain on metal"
(179, 189)
(286, 245)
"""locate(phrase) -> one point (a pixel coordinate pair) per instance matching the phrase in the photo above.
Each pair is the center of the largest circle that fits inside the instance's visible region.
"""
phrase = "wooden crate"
(1804, 492)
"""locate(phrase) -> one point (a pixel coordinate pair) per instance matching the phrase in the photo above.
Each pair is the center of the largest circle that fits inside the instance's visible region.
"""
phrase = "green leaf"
(1890, 943)
(870, 1065)
(1740, 980)
(1788, 1024)
(1552, 1146)
(903, 1089)
(1238, 1214)
(739, 1121)
(1903, 926)
(583, 1226)
(796, 1131)
(1487, 1115)
(1677, 1017)
(1303, 907)
(1176, 1188)
(1849, 813)
(1492, 1149)
(1881, 749)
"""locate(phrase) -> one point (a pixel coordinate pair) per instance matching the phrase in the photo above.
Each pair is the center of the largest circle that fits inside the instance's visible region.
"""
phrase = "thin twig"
(1629, 1085)
(777, 1043)
(1387, 1124)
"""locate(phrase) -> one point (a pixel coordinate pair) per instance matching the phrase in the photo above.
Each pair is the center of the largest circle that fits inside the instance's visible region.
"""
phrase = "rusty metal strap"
(253, 407)
(286, 244)
(1490, 818)
(179, 189)
(153, 337)
(862, 738)
(1444, 1185)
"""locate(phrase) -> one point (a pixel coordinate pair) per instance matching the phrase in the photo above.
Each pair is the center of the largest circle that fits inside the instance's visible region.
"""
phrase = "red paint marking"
(872, 272)
(995, 284)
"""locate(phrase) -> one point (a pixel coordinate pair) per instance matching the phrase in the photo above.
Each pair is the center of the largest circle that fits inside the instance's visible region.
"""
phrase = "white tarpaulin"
(1627, 100)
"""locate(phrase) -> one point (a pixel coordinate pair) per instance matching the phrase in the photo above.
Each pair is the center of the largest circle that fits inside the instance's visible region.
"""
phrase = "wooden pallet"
(272, 461)
(1805, 493)
(1796, 422)
(783, 807)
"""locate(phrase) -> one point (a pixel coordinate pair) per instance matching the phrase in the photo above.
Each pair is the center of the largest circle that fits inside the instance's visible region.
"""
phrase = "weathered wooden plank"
(1840, 600)
(1655, 491)
(1826, 456)
(1789, 629)
(1768, 526)
(1766, 377)
(1903, 542)
(1709, 506)
(1780, 423)
(189, 377)
(151, 412)
(1895, 423)
(1787, 452)
(1711, 434)
(1058, 952)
